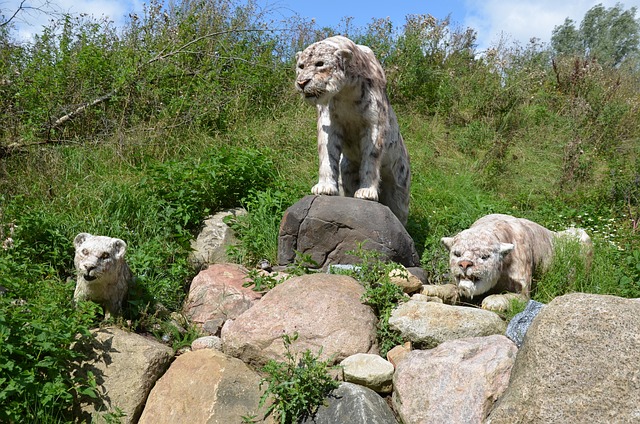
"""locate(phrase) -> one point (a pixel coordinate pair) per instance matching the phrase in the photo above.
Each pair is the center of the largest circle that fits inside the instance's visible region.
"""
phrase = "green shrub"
(38, 324)
(297, 387)
(195, 187)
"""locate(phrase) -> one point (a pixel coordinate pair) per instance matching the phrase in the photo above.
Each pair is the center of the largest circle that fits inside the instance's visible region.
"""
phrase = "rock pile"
(574, 360)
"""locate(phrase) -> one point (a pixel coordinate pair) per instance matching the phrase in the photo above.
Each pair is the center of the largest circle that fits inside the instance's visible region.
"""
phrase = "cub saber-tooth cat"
(360, 149)
(103, 275)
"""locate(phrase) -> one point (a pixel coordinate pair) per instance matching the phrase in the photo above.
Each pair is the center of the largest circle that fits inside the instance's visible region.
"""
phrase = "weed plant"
(297, 387)
(380, 293)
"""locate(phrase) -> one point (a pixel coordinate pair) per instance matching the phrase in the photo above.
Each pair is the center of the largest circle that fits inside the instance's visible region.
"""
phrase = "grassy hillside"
(140, 133)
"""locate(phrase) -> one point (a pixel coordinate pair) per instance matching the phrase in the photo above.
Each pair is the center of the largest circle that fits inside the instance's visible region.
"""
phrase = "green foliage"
(515, 307)
(261, 283)
(303, 264)
(38, 324)
(380, 293)
(610, 271)
(257, 231)
(423, 61)
(610, 35)
(197, 187)
(297, 387)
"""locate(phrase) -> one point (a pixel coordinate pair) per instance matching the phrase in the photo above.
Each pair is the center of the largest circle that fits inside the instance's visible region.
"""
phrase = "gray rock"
(520, 323)
(353, 404)
(207, 342)
(126, 366)
(427, 324)
(210, 246)
(579, 364)
(457, 382)
(327, 227)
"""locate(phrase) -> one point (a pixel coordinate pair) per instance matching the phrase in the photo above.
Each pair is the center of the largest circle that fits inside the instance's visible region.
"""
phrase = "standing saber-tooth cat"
(103, 275)
(360, 148)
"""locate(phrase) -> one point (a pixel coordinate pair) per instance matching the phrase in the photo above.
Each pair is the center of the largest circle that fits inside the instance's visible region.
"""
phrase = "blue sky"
(493, 20)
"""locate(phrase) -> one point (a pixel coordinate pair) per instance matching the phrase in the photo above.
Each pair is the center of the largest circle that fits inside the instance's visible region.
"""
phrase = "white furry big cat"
(103, 274)
(500, 253)
(361, 151)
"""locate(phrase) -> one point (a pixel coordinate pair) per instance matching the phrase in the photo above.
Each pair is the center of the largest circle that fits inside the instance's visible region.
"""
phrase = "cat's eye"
(457, 254)
(301, 66)
(105, 255)
(485, 257)
(319, 64)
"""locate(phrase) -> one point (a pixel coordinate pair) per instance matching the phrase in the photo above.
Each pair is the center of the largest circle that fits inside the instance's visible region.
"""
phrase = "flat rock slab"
(324, 309)
(427, 324)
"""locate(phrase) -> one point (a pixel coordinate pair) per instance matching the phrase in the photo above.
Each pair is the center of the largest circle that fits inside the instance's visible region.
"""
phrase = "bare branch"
(45, 7)
(60, 121)
(18, 10)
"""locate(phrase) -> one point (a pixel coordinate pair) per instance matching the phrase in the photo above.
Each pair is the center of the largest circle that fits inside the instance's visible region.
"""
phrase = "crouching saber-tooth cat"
(500, 253)
(360, 148)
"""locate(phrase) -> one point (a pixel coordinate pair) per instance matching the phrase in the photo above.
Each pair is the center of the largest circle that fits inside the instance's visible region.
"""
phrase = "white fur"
(500, 253)
(361, 152)
(103, 274)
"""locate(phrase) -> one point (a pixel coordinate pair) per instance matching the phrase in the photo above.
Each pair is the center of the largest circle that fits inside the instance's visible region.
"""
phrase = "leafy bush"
(297, 387)
(38, 324)
(196, 187)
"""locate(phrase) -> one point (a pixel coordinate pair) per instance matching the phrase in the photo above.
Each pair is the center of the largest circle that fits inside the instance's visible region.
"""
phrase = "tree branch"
(60, 121)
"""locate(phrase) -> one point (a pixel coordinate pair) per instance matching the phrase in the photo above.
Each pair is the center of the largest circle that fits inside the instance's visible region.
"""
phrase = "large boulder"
(457, 382)
(327, 227)
(204, 386)
(217, 294)
(324, 309)
(578, 364)
(427, 324)
(125, 366)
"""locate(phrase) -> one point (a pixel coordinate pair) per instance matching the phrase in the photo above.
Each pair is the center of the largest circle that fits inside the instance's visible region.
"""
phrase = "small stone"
(207, 342)
(369, 370)
(520, 323)
(398, 353)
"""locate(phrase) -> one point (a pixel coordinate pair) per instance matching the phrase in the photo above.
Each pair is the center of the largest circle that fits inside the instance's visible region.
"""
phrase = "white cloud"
(30, 21)
(521, 20)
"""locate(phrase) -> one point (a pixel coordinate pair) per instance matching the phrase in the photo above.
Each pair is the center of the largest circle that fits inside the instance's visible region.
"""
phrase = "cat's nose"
(465, 265)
